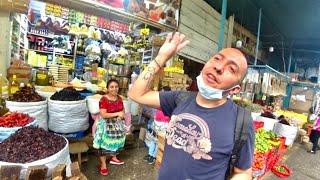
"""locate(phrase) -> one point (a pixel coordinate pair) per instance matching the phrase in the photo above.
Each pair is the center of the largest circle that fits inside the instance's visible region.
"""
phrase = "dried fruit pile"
(26, 94)
(15, 119)
(67, 94)
(30, 144)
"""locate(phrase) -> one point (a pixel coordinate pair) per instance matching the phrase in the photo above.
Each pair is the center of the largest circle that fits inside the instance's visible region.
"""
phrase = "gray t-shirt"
(199, 141)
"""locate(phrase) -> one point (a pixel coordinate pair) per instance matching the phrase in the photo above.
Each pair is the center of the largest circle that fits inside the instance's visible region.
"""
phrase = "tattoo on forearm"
(150, 71)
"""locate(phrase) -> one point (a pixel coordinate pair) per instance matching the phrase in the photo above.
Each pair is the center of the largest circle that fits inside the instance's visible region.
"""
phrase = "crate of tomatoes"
(13, 121)
(259, 164)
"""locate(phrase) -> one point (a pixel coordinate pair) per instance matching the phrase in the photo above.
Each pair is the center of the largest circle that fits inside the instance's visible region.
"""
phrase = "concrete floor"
(134, 168)
(304, 166)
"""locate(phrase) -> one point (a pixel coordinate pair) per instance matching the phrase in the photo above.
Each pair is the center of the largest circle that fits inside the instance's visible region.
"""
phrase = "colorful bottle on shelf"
(13, 85)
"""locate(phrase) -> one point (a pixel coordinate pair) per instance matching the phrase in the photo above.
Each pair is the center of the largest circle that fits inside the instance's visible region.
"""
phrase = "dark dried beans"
(67, 94)
(26, 94)
(30, 144)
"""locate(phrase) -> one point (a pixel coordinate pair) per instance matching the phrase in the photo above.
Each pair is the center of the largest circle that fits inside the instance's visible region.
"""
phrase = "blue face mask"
(210, 93)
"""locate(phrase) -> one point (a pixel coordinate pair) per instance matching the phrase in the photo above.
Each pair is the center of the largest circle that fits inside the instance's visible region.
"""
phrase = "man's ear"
(235, 90)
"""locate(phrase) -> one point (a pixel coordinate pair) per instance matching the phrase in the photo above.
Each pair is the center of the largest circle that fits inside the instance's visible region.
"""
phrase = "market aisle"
(305, 166)
(133, 169)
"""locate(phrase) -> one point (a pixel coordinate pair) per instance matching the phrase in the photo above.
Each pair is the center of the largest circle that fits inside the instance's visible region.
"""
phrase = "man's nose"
(218, 68)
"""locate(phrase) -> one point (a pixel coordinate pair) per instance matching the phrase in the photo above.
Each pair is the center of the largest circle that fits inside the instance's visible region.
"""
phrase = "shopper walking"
(314, 135)
(201, 133)
(109, 136)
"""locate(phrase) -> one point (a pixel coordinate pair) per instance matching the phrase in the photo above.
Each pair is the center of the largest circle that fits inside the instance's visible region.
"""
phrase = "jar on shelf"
(110, 69)
(115, 69)
(127, 70)
(42, 77)
(120, 70)
(125, 82)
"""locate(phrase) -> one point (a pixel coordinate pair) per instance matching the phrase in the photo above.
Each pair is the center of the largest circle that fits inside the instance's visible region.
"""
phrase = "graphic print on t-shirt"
(191, 134)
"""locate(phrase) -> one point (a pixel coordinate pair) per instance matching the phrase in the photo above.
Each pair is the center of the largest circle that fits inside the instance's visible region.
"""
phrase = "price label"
(264, 97)
(41, 76)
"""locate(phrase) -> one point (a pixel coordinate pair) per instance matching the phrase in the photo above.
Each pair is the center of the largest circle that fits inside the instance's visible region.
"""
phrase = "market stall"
(276, 131)
(63, 53)
(264, 85)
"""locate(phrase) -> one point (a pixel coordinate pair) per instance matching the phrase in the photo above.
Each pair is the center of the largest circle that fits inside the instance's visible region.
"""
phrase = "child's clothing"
(159, 125)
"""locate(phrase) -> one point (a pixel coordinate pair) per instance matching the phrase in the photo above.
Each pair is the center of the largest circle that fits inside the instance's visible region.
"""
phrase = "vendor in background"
(192, 85)
(283, 120)
(268, 112)
(109, 135)
(314, 135)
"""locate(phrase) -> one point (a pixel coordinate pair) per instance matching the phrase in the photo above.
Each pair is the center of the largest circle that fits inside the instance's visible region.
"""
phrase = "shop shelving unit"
(18, 33)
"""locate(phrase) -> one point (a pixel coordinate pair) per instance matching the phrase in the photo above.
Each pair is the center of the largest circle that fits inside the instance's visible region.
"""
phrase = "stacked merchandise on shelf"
(174, 76)
(59, 73)
(18, 34)
(163, 12)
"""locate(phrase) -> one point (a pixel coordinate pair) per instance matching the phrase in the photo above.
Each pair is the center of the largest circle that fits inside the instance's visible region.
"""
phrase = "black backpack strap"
(241, 133)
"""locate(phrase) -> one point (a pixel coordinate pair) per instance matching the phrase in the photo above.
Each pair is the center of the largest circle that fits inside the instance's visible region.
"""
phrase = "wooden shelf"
(17, 44)
(118, 75)
(49, 52)
(46, 36)
(115, 63)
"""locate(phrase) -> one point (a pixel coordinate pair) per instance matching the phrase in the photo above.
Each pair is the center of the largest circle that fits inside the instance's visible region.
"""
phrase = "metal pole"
(295, 66)
(289, 65)
(222, 24)
(319, 74)
(258, 37)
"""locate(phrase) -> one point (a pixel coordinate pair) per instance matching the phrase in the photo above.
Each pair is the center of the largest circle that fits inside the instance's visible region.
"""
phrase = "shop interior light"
(239, 44)
(271, 49)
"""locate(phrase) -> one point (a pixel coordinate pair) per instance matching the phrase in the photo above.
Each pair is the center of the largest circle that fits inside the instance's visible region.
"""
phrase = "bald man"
(200, 135)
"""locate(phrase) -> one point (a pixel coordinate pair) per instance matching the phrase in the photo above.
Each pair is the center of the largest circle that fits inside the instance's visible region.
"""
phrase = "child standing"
(158, 126)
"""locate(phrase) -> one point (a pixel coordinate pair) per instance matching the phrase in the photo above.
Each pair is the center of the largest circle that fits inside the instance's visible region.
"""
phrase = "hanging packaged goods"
(160, 14)
(20, 6)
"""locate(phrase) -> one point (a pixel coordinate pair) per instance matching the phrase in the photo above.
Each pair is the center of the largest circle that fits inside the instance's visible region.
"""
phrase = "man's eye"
(232, 70)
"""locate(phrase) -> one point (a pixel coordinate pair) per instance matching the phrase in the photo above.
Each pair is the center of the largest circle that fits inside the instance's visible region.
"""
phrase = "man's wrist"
(161, 60)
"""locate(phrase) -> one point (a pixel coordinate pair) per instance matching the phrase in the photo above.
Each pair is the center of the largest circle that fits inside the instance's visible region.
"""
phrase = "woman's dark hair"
(166, 88)
(111, 81)
(281, 117)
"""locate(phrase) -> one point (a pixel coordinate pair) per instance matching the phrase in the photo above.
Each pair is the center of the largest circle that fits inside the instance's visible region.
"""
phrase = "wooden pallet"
(40, 172)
